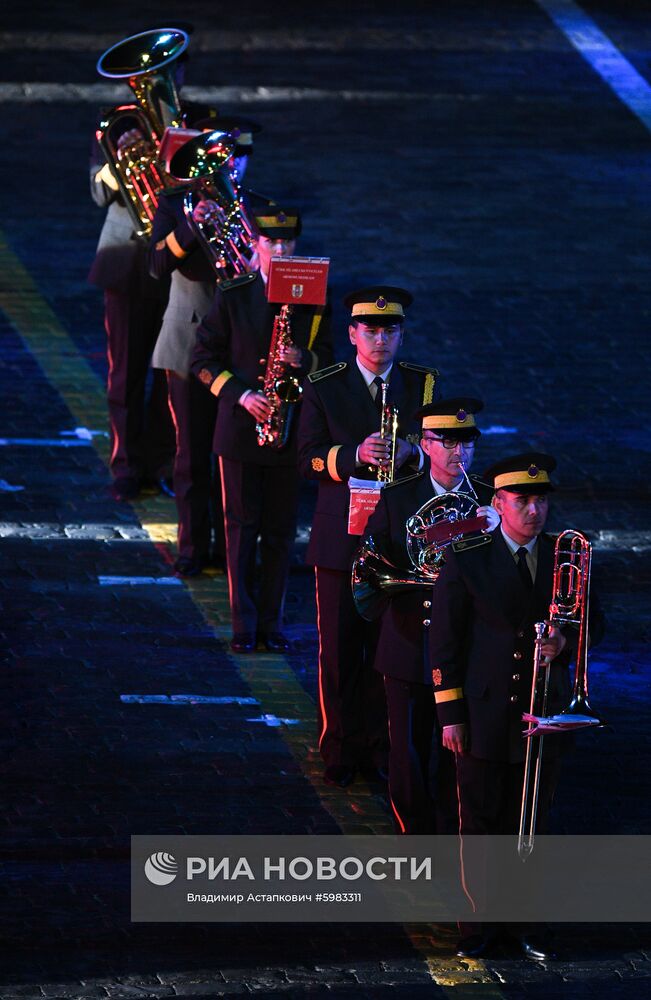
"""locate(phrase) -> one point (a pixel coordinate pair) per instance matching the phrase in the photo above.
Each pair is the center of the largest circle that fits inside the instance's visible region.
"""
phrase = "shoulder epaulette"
(240, 279)
(324, 372)
(403, 482)
(471, 543)
(424, 369)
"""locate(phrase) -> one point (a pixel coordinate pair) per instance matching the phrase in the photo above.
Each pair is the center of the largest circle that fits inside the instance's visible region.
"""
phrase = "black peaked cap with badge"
(525, 473)
(453, 417)
(379, 305)
(239, 128)
(277, 222)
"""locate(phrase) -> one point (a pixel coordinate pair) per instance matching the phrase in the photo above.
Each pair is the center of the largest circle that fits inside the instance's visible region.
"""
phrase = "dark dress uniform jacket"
(230, 356)
(482, 643)
(401, 649)
(170, 218)
(338, 414)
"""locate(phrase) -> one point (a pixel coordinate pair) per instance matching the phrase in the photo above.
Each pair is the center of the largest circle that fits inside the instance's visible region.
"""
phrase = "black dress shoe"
(184, 566)
(473, 946)
(124, 488)
(273, 642)
(538, 947)
(340, 775)
(243, 642)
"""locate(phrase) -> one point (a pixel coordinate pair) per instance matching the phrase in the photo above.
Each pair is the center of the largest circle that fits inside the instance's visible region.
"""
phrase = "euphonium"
(145, 61)
(282, 389)
(570, 605)
(226, 237)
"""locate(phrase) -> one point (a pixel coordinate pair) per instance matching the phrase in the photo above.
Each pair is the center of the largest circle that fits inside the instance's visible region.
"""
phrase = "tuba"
(146, 62)
(281, 389)
(570, 605)
(445, 519)
(226, 237)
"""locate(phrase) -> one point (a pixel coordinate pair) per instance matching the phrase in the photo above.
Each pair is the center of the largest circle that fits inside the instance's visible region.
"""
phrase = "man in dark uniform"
(260, 483)
(176, 250)
(141, 429)
(339, 439)
(485, 604)
(449, 435)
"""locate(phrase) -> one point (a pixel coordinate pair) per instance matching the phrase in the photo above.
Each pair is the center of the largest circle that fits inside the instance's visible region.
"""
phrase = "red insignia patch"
(437, 677)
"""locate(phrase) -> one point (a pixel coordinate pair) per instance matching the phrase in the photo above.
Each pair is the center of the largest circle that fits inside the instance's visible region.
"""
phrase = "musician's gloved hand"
(553, 644)
(374, 450)
(129, 138)
(455, 738)
(491, 516)
(205, 210)
(257, 404)
(291, 355)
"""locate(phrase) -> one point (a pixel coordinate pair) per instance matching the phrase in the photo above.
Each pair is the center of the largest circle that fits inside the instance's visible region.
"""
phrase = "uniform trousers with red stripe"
(490, 797)
(141, 430)
(424, 800)
(260, 506)
(352, 708)
(197, 484)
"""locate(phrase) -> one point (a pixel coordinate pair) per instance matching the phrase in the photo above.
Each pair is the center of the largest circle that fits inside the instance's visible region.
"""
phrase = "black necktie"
(378, 381)
(523, 568)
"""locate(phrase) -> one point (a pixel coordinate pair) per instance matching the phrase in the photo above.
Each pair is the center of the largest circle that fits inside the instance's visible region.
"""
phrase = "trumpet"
(570, 605)
(388, 432)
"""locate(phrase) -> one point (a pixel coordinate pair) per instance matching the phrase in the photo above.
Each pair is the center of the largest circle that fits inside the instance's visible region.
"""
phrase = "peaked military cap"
(278, 223)
(240, 129)
(380, 305)
(526, 473)
(454, 417)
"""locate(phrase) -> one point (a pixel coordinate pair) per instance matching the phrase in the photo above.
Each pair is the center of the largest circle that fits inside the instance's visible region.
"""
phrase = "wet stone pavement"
(469, 152)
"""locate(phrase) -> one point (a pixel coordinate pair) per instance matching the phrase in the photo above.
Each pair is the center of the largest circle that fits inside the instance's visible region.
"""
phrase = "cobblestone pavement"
(468, 151)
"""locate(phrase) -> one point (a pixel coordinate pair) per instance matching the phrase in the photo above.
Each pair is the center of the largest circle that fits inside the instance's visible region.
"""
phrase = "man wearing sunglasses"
(448, 437)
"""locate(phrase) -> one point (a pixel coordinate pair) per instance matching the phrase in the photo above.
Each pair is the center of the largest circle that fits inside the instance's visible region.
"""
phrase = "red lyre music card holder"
(298, 280)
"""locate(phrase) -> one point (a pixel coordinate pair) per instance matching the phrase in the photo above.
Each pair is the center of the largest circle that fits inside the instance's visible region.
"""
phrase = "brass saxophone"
(145, 62)
(281, 389)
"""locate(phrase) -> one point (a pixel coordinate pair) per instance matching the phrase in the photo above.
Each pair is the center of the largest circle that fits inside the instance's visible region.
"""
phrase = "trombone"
(570, 605)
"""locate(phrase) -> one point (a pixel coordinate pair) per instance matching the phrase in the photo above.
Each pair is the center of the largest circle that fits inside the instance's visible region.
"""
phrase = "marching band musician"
(448, 438)
(175, 250)
(481, 647)
(141, 429)
(339, 438)
(260, 483)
